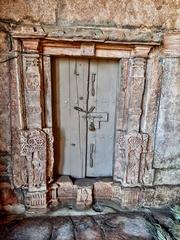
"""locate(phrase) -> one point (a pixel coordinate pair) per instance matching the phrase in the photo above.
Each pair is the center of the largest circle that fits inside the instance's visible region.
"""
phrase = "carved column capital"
(141, 51)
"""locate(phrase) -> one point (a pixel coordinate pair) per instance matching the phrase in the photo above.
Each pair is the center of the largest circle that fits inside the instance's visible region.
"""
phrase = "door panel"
(72, 92)
(86, 140)
(102, 95)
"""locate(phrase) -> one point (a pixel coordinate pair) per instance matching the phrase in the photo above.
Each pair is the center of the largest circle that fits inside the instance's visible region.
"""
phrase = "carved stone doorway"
(34, 86)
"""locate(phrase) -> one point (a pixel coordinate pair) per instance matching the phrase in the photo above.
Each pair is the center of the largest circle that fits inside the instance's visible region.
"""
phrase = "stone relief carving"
(84, 197)
(130, 148)
(33, 147)
(32, 84)
(36, 199)
(136, 89)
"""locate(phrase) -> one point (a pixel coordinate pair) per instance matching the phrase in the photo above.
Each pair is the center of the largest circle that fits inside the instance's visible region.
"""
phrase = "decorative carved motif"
(33, 110)
(33, 147)
(136, 89)
(32, 82)
(84, 197)
(31, 63)
(130, 148)
(36, 199)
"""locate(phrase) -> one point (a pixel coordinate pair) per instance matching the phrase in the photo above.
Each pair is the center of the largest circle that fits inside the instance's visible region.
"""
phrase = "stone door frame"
(34, 110)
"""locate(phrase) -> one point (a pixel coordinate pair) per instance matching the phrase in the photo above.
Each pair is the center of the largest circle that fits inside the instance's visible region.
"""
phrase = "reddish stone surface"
(7, 195)
(117, 226)
(103, 190)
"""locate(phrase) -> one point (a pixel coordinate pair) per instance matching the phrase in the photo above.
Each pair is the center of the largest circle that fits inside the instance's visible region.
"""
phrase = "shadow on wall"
(59, 138)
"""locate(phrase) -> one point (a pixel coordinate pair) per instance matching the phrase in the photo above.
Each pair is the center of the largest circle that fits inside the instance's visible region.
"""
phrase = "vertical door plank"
(78, 96)
(64, 115)
(73, 75)
(105, 102)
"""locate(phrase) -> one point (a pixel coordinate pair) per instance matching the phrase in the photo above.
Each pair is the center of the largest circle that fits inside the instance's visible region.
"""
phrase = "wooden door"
(85, 99)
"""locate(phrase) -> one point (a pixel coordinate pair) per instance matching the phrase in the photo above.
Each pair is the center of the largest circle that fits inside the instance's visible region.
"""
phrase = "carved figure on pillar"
(33, 147)
(130, 148)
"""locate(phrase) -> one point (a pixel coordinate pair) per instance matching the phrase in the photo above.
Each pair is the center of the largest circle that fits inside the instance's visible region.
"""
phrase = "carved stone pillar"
(131, 143)
(33, 148)
(36, 138)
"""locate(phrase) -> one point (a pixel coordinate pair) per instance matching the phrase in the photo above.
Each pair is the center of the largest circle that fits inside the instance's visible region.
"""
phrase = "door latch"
(93, 83)
(92, 150)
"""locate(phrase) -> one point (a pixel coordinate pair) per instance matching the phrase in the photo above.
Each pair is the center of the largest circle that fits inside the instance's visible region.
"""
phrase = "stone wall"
(126, 20)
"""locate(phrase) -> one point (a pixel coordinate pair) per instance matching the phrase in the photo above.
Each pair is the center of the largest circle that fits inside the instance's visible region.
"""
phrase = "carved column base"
(36, 199)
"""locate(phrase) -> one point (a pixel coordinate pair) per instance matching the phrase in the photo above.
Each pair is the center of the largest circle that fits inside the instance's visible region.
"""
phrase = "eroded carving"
(84, 197)
(130, 148)
(33, 147)
(136, 89)
(33, 82)
(36, 199)
(32, 88)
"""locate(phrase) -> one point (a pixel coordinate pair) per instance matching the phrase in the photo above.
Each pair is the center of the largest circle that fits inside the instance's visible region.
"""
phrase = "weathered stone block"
(102, 191)
(130, 197)
(167, 177)
(167, 145)
(146, 197)
(166, 195)
(67, 192)
(84, 198)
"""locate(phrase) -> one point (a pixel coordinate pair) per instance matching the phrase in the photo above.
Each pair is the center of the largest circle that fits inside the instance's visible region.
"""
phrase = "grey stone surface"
(167, 177)
(28, 229)
(104, 226)
(167, 146)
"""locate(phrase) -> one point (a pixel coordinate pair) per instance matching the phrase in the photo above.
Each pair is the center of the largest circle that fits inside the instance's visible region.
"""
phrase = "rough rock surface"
(109, 226)
(122, 226)
(146, 14)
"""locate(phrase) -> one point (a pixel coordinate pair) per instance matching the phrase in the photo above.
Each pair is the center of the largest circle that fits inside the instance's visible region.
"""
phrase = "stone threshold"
(99, 193)
(79, 194)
